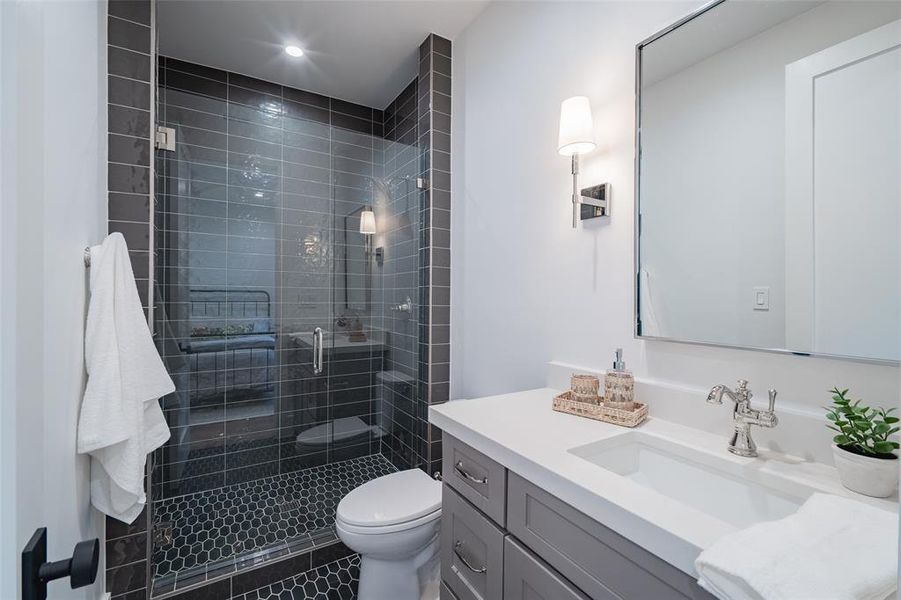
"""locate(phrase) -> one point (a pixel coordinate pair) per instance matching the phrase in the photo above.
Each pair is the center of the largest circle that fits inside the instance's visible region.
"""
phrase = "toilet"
(393, 523)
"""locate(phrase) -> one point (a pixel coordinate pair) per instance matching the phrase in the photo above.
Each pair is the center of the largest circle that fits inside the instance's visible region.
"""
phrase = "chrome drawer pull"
(459, 469)
(457, 545)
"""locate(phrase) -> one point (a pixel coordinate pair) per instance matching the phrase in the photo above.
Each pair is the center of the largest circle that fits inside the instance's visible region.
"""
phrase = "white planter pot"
(876, 477)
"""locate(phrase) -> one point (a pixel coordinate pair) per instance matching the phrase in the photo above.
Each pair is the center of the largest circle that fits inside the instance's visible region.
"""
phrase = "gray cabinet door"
(527, 577)
(598, 560)
(472, 550)
(478, 478)
(445, 593)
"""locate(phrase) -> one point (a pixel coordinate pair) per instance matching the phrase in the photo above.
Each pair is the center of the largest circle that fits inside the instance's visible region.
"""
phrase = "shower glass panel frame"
(257, 245)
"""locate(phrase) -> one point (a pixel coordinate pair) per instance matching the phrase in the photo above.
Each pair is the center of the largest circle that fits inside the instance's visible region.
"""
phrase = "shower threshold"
(219, 532)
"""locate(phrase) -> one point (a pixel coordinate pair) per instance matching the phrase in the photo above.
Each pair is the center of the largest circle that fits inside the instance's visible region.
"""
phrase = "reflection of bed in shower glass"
(232, 344)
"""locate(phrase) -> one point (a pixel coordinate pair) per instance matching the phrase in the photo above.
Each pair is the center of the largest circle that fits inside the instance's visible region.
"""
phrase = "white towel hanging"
(121, 420)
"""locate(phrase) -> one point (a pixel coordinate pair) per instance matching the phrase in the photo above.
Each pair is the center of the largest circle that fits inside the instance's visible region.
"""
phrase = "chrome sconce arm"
(577, 195)
(591, 202)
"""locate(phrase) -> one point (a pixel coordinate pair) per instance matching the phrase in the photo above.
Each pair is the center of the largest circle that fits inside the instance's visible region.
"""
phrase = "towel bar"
(87, 256)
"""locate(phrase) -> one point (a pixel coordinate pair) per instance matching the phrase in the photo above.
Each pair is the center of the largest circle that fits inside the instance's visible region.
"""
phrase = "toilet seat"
(390, 503)
(385, 529)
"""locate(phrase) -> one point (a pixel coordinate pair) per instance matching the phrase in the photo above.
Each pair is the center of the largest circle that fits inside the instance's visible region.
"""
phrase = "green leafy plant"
(861, 429)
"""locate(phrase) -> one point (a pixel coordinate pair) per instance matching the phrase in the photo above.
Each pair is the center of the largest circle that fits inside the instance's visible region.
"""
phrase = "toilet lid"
(391, 499)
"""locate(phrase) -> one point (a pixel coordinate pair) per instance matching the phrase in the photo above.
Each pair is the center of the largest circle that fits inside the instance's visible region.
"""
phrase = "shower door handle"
(317, 351)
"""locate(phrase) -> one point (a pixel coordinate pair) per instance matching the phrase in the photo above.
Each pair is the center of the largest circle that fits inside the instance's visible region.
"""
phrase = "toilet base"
(414, 578)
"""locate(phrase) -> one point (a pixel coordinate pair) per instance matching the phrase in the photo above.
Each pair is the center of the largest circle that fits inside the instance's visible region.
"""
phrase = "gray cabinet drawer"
(472, 550)
(445, 593)
(479, 479)
(598, 560)
(527, 577)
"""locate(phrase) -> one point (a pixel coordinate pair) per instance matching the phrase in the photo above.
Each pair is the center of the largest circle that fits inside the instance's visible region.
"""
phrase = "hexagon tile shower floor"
(214, 529)
(334, 581)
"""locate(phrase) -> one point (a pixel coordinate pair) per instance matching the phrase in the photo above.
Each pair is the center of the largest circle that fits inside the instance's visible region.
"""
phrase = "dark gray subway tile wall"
(249, 229)
(434, 117)
(129, 125)
(129, 63)
(417, 145)
(401, 410)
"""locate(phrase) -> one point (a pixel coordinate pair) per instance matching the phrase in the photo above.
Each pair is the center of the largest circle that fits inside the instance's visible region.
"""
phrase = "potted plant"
(864, 451)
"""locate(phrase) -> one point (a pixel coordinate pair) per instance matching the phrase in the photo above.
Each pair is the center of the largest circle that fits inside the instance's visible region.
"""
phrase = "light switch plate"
(762, 297)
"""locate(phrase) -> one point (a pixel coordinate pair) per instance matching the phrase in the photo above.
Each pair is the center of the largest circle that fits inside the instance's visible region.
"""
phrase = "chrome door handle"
(459, 544)
(462, 473)
(317, 351)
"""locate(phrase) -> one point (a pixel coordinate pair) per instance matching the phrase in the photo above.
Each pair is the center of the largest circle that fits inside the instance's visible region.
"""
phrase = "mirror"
(768, 179)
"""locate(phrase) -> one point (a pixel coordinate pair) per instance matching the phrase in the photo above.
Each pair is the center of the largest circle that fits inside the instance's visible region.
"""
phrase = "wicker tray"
(599, 412)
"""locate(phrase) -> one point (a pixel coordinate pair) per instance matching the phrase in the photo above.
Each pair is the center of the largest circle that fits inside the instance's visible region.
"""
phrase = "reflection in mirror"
(354, 281)
(768, 180)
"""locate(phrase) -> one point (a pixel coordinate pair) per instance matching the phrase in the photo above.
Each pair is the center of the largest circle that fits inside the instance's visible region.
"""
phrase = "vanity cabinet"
(504, 538)
(445, 593)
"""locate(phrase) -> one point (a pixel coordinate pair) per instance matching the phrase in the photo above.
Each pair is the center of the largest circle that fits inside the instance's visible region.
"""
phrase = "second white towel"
(833, 548)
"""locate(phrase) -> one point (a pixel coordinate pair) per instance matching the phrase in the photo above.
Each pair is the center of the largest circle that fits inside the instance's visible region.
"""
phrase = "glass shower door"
(244, 284)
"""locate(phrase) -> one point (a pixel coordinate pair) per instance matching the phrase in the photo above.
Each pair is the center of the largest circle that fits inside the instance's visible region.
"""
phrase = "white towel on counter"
(832, 548)
(121, 420)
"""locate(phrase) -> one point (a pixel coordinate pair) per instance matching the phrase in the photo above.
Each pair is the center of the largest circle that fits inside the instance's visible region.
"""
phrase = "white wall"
(526, 287)
(53, 205)
(7, 301)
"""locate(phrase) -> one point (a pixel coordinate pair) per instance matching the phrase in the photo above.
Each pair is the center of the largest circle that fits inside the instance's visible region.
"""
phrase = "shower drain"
(286, 505)
(162, 534)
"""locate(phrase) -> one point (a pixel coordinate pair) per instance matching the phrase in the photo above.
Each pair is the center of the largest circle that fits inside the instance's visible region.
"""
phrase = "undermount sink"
(737, 493)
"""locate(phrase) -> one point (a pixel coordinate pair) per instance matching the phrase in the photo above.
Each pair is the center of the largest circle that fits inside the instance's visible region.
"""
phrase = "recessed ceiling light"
(294, 51)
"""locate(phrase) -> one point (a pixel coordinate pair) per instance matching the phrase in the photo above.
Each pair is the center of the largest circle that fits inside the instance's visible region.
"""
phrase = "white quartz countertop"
(522, 432)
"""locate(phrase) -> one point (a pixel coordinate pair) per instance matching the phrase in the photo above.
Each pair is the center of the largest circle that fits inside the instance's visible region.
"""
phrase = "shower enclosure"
(291, 332)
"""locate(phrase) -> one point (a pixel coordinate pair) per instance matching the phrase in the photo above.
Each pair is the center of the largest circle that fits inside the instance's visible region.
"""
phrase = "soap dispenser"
(619, 385)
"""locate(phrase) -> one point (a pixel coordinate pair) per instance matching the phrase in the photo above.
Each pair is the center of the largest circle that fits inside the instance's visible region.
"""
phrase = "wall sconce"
(577, 137)
(367, 221)
(367, 228)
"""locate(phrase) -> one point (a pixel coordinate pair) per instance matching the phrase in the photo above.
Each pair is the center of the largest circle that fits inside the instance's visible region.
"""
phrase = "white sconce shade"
(576, 131)
(367, 221)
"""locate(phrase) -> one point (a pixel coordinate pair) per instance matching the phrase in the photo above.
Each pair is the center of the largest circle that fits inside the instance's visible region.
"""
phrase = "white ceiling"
(364, 52)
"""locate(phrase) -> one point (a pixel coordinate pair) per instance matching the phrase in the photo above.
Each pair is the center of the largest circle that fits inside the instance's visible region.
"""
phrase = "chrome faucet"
(405, 307)
(743, 416)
